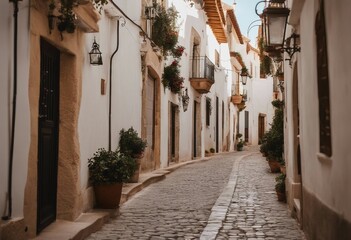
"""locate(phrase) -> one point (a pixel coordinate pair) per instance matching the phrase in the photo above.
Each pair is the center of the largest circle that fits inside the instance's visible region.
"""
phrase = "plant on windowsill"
(132, 145)
(107, 172)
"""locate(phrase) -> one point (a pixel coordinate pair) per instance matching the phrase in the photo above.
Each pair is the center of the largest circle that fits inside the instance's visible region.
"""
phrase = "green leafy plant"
(240, 145)
(177, 51)
(171, 78)
(130, 143)
(280, 183)
(212, 150)
(273, 141)
(66, 18)
(164, 31)
(108, 167)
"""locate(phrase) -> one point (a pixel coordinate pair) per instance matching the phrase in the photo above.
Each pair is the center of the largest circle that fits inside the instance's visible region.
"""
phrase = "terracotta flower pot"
(236, 99)
(281, 196)
(108, 196)
(135, 177)
(274, 166)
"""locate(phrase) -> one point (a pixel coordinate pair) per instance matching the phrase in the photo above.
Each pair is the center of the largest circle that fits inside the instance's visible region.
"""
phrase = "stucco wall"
(126, 87)
(21, 144)
(326, 179)
(262, 92)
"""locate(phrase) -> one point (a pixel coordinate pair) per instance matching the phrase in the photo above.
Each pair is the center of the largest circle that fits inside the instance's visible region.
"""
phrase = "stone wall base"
(321, 222)
(13, 229)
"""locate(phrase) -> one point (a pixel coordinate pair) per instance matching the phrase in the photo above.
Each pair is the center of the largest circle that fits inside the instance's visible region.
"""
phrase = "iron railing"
(202, 67)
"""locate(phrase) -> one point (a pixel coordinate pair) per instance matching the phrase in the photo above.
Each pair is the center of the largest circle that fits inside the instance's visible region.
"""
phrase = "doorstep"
(85, 224)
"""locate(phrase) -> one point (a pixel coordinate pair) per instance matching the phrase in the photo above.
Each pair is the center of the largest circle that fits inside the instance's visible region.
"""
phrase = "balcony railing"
(202, 67)
(202, 74)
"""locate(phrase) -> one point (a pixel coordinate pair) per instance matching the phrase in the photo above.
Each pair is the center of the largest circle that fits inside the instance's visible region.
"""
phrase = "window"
(208, 111)
(325, 144)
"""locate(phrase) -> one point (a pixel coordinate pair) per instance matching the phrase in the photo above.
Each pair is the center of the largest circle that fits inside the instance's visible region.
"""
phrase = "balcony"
(202, 74)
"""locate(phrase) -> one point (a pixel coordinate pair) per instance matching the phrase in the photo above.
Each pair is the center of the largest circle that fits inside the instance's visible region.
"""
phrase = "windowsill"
(324, 159)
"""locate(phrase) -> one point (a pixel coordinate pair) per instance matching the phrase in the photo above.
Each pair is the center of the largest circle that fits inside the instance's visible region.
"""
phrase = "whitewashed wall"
(261, 98)
(329, 179)
(21, 147)
(126, 84)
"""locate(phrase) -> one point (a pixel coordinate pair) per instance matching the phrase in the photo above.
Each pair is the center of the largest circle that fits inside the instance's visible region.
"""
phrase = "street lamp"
(95, 54)
(275, 18)
(185, 100)
(244, 76)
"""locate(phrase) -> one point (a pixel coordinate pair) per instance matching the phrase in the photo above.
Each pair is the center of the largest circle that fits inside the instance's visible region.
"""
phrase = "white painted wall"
(21, 144)
(126, 84)
(329, 179)
(259, 95)
(261, 98)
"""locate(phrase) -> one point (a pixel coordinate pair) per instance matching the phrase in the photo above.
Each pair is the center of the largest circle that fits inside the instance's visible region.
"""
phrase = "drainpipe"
(9, 186)
(110, 90)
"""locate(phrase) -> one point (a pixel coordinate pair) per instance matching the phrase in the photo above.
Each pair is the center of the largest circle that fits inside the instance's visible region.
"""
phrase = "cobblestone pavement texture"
(179, 206)
(254, 212)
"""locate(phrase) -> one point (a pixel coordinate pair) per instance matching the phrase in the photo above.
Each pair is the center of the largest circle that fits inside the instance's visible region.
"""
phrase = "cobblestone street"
(179, 207)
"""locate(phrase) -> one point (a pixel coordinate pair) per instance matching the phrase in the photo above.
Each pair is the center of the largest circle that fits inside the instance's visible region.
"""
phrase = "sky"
(245, 14)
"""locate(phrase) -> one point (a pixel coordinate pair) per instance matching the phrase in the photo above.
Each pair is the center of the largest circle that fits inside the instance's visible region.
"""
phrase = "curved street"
(198, 201)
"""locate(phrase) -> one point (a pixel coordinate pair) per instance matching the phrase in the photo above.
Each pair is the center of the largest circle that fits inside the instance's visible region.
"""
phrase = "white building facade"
(317, 119)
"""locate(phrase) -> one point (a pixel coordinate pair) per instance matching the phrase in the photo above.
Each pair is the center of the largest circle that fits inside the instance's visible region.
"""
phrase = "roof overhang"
(216, 19)
(235, 24)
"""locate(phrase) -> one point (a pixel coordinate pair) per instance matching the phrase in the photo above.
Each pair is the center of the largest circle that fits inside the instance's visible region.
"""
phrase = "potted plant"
(107, 172)
(280, 187)
(273, 141)
(210, 152)
(66, 18)
(240, 145)
(132, 145)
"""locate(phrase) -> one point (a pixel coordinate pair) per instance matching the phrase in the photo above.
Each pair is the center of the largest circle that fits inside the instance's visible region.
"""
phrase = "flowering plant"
(164, 31)
(178, 51)
(171, 78)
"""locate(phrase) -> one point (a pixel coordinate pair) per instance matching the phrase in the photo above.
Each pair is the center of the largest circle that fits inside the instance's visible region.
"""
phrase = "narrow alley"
(190, 202)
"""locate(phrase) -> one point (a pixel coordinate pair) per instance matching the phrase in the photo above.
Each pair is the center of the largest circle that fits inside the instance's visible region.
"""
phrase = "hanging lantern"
(95, 54)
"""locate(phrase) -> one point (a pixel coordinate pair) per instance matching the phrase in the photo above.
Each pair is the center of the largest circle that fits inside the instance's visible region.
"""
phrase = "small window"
(325, 144)
(208, 111)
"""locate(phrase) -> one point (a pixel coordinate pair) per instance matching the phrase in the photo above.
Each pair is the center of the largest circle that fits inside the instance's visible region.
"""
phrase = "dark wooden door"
(173, 130)
(217, 125)
(246, 132)
(195, 132)
(261, 127)
(48, 134)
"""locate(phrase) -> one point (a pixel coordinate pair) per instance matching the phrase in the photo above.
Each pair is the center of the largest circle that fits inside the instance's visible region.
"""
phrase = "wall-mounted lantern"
(95, 54)
(185, 100)
(244, 74)
(275, 18)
